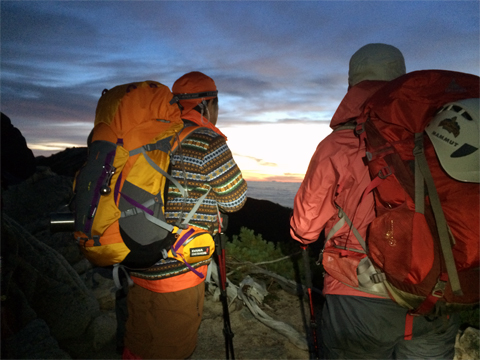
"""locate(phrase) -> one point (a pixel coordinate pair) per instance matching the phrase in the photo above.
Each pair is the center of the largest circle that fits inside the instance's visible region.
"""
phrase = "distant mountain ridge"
(66, 162)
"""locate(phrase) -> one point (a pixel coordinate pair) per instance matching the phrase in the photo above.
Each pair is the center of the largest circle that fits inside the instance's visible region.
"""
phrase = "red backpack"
(424, 242)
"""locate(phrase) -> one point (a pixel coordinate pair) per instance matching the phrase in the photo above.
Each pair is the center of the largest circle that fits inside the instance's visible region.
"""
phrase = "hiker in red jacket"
(356, 323)
(165, 305)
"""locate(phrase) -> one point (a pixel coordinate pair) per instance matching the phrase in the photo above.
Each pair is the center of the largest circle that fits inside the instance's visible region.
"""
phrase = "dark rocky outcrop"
(18, 161)
(66, 162)
(54, 303)
(264, 217)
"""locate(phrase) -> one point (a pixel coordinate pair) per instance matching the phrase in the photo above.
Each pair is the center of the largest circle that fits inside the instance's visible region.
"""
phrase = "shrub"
(247, 248)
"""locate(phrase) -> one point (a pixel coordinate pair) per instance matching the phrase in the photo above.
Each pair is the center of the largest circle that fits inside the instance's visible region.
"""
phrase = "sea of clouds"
(282, 193)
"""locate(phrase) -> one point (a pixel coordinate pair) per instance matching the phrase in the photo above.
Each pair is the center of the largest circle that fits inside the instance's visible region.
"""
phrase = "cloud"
(37, 31)
(274, 62)
(257, 160)
(32, 101)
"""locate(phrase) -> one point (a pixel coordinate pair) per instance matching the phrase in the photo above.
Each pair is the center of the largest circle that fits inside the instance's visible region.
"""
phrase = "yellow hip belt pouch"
(192, 245)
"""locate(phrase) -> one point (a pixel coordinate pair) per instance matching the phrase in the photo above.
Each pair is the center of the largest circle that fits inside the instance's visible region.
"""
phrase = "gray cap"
(376, 62)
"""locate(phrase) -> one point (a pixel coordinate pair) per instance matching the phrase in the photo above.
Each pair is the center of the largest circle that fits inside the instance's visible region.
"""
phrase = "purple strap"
(183, 238)
(117, 188)
(199, 274)
(119, 179)
(177, 246)
(96, 192)
(137, 204)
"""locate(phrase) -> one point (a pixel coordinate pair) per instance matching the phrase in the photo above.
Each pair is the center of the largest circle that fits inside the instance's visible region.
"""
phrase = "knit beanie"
(376, 62)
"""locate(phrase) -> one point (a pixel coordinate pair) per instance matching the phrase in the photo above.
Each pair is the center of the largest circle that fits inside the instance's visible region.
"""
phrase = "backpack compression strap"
(159, 145)
(423, 174)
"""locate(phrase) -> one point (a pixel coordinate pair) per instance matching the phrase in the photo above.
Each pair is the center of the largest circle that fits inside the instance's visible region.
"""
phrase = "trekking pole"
(308, 280)
(227, 330)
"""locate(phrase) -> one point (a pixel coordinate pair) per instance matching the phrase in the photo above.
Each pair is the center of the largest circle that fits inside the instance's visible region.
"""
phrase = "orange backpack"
(119, 192)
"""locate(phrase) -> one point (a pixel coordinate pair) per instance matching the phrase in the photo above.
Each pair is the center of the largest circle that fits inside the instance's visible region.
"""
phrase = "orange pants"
(163, 325)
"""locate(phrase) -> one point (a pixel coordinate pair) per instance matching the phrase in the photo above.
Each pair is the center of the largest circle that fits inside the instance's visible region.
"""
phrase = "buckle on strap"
(439, 289)
(418, 148)
(130, 212)
(360, 128)
(174, 100)
(385, 172)
(162, 145)
(378, 277)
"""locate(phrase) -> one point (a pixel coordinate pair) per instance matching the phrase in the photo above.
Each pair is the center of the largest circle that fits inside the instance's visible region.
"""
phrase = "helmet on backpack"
(454, 132)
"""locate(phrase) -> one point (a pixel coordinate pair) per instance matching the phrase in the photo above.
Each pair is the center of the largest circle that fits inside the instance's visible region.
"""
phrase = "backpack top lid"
(454, 133)
(136, 109)
(412, 100)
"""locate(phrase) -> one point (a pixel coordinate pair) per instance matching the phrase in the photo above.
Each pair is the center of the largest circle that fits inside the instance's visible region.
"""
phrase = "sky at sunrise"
(280, 66)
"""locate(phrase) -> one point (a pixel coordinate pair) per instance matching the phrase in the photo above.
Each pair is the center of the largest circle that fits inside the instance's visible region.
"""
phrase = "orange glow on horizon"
(252, 176)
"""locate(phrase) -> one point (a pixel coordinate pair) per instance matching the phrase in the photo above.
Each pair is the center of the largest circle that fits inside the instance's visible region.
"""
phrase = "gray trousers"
(355, 327)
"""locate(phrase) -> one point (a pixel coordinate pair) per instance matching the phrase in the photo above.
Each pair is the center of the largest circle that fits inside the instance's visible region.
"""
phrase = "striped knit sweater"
(207, 162)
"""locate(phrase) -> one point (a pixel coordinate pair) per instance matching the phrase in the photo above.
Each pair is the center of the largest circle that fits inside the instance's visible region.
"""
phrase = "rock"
(32, 342)
(82, 266)
(31, 202)
(467, 344)
(102, 330)
(50, 285)
(100, 333)
(103, 289)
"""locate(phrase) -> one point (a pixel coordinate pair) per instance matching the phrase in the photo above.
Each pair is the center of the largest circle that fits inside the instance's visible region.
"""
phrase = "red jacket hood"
(354, 101)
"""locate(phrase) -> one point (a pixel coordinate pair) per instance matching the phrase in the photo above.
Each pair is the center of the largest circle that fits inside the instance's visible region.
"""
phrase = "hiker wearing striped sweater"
(166, 303)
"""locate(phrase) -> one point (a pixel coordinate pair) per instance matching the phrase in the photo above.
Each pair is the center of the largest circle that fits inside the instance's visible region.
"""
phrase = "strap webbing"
(161, 171)
(116, 276)
(419, 187)
(138, 207)
(143, 208)
(196, 206)
(431, 300)
(442, 226)
(377, 180)
(408, 327)
(159, 222)
(345, 219)
(162, 145)
(208, 278)
(335, 228)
